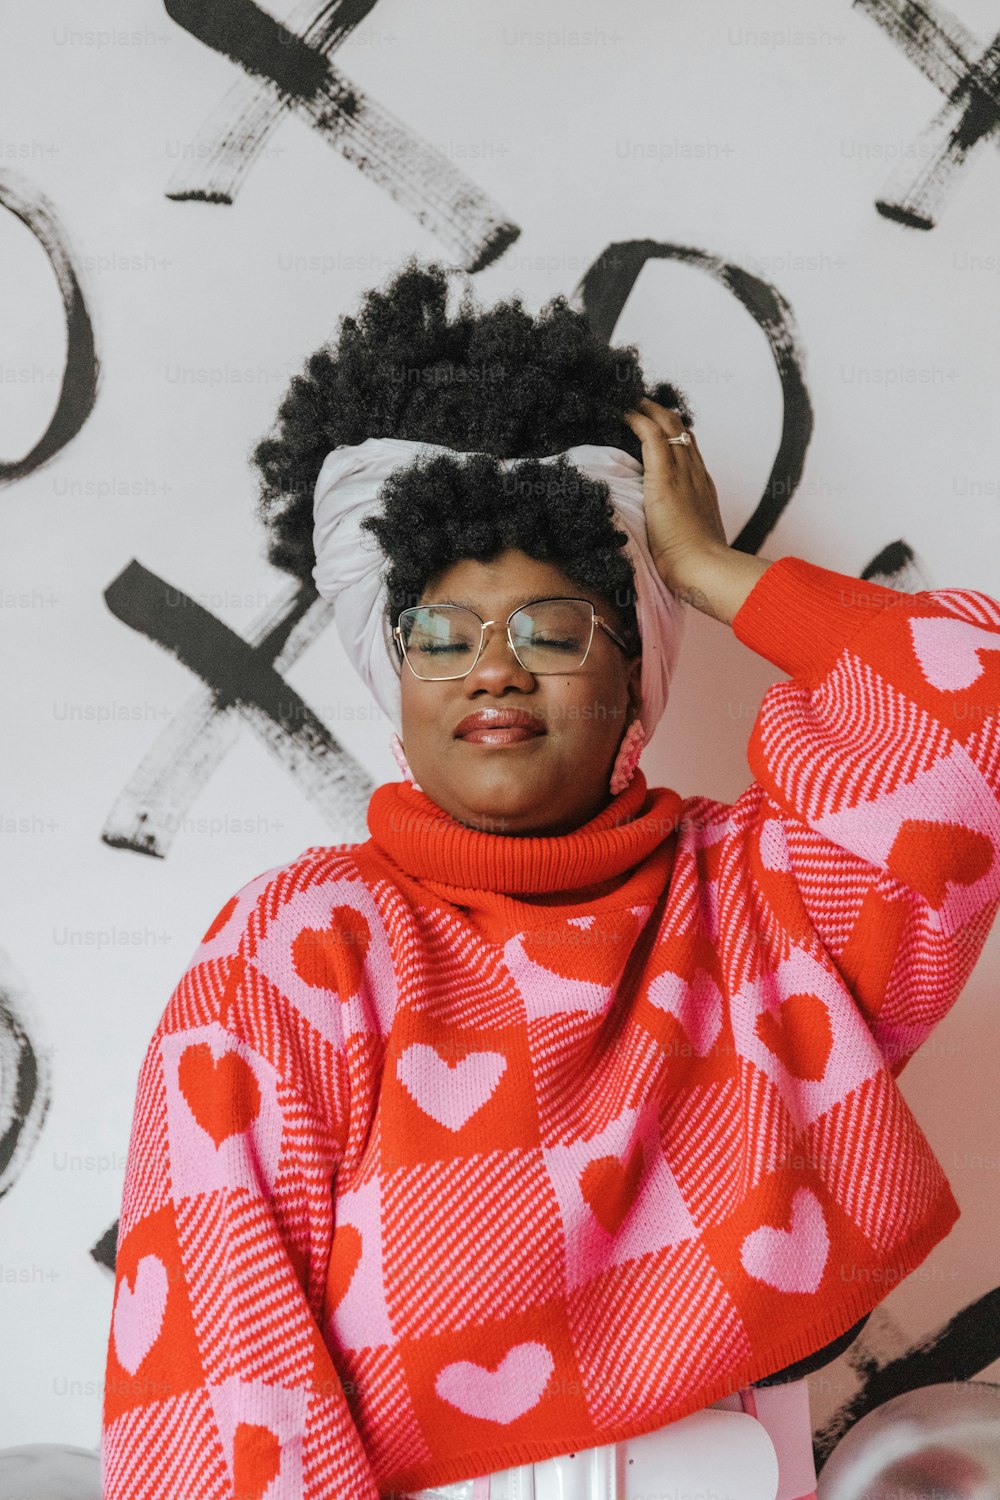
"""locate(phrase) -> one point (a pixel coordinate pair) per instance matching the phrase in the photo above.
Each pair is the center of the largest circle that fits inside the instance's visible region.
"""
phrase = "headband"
(349, 562)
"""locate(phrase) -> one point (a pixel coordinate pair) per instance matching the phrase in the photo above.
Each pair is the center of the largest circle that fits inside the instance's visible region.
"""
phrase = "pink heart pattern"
(450, 1093)
(138, 1315)
(948, 650)
(791, 1260)
(542, 1193)
(501, 1395)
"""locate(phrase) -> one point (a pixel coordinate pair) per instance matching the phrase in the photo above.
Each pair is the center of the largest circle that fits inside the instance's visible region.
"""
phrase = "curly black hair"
(498, 382)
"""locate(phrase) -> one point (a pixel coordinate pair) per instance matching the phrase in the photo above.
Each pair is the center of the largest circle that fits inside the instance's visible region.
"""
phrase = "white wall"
(760, 135)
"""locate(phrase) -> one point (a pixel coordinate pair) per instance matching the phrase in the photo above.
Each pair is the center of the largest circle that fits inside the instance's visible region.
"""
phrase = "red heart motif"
(220, 920)
(800, 1034)
(926, 855)
(597, 952)
(222, 1093)
(256, 1460)
(318, 953)
(609, 1188)
(344, 1257)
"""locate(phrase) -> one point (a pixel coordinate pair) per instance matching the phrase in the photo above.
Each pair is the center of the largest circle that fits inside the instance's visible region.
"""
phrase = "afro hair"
(499, 383)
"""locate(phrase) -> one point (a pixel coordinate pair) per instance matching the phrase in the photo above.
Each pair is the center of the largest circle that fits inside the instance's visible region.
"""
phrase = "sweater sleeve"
(218, 1382)
(878, 766)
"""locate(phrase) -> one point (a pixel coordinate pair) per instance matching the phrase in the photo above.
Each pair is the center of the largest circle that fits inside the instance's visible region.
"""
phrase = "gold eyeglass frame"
(595, 619)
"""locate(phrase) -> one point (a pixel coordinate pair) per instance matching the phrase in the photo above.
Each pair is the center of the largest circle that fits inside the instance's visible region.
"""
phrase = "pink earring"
(627, 758)
(399, 756)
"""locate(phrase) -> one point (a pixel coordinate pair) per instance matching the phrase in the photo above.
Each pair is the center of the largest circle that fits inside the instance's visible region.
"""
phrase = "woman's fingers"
(658, 423)
(657, 453)
(681, 503)
(653, 425)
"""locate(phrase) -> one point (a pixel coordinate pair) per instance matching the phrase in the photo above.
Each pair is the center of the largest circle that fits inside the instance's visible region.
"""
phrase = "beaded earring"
(627, 758)
(399, 756)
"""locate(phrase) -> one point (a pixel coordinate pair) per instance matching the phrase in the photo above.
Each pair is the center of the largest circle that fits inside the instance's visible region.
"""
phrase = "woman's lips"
(507, 734)
(500, 726)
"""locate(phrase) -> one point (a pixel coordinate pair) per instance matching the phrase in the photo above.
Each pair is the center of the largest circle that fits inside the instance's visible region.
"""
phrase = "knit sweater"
(454, 1151)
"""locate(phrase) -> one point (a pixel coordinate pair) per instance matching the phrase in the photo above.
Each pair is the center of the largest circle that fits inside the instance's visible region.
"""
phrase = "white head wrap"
(349, 561)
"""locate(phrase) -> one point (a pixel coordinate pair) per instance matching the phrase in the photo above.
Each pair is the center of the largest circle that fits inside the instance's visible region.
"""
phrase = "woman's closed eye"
(539, 641)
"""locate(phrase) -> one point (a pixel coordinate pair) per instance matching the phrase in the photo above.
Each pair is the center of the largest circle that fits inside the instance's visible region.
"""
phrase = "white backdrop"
(761, 136)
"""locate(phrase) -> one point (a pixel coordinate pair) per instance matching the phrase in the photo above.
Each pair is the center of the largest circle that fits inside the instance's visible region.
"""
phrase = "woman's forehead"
(505, 582)
(509, 605)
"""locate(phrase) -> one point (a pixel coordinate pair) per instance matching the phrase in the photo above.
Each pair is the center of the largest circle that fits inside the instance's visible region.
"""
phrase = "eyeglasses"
(442, 641)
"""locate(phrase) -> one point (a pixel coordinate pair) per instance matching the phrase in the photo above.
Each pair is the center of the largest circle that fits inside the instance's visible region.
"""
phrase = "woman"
(561, 1114)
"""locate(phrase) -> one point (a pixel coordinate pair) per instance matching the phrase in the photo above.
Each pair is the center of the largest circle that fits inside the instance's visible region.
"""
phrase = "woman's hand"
(687, 540)
(682, 507)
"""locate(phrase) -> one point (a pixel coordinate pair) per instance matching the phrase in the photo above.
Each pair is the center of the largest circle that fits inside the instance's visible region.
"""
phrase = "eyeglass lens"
(442, 640)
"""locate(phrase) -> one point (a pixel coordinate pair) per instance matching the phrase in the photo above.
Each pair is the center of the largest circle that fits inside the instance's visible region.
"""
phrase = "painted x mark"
(944, 51)
(288, 69)
(242, 684)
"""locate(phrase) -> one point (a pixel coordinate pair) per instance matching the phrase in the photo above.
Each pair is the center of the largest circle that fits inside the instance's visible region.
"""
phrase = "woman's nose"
(497, 662)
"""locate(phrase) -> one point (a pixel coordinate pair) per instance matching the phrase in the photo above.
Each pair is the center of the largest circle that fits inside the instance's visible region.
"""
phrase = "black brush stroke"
(78, 388)
(938, 44)
(105, 1250)
(238, 675)
(255, 41)
(603, 292)
(231, 140)
(234, 671)
(295, 71)
(167, 781)
(968, 1343)
(24, 1091)
(893, 559)
(942, 49)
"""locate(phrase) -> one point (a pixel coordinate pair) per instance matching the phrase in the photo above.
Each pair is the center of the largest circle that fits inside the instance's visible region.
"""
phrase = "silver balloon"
(941, 1442)
(50, 1471)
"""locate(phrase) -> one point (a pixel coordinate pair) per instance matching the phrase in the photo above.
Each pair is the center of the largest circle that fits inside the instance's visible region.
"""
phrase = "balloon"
(940, 1442)
(49, 1471)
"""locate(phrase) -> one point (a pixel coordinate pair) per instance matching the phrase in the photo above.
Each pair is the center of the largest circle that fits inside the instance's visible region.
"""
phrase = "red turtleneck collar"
(433, 847)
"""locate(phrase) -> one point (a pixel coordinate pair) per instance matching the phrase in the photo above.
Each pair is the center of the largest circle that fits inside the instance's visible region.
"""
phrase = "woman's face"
(547, 783)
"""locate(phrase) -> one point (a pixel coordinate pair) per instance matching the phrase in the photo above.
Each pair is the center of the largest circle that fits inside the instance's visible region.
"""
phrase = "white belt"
(756, 1445)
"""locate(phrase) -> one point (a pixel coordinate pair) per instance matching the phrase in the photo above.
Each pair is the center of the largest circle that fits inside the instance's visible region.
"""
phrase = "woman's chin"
(493, 798)
(508, 805)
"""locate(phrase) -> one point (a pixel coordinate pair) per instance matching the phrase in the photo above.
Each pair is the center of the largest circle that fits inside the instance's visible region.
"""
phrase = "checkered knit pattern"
(454, 1151)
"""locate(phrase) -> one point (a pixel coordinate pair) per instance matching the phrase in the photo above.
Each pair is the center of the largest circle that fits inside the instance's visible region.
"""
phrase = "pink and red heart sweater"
(454, 1151)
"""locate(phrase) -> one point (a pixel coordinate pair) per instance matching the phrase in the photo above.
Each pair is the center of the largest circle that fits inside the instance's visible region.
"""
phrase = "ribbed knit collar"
(429, 844)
